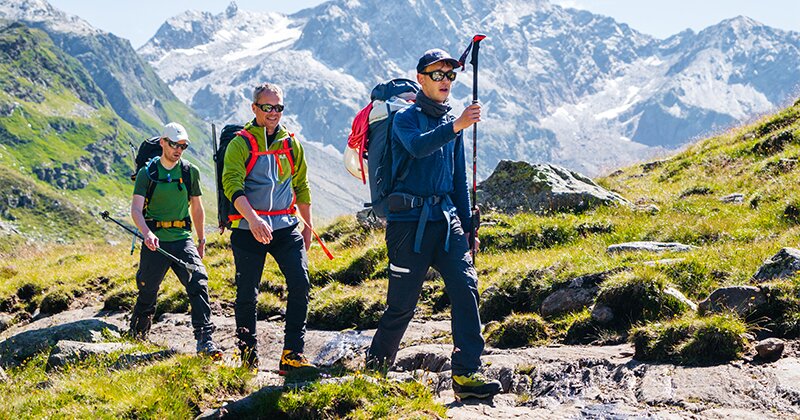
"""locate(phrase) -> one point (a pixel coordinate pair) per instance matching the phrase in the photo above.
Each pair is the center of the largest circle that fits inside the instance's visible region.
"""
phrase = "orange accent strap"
(255, 153)
(321, 244)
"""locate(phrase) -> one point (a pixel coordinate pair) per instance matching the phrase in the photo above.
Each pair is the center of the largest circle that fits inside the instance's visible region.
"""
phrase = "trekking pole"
(133, 156)
(189, 267)
(476, 212)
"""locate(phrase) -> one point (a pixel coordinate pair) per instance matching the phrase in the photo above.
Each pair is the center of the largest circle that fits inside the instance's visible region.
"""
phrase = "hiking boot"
(140, 326)
(207, 347)
(475, 385)
(292, 361)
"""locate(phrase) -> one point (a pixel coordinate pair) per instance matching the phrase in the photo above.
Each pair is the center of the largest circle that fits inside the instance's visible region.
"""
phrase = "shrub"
(120, 300)
(696, 190)
(55, 302)
(515, 294)
(173, 302)
(362, 267)
(637, 296)
(27, 291)
(692, 278)
(710, 340)
(338, 307)
(518, 330)
(269, 305)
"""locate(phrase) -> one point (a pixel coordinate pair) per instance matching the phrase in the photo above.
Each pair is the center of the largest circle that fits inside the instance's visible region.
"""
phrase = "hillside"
(526, 259)
(66, 152)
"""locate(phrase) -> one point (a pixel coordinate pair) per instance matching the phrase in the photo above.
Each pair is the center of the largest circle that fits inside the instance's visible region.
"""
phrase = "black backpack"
(148, 153)
(224, 206)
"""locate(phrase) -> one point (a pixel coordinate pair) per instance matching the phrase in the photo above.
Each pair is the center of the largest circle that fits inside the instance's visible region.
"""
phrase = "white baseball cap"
(175, 132)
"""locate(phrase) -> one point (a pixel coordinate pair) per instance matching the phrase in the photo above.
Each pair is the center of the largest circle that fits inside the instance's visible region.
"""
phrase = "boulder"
(345, 345)
(650, 246)
(579, 293)
(602, 314)
(542, 188)
(770, 349)
(741, 299)
(781, 265)
(16, 349)
(67, 352)
(427, 357)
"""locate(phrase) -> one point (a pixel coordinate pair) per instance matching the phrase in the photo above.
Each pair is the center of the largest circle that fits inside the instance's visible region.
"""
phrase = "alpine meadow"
(639, 215)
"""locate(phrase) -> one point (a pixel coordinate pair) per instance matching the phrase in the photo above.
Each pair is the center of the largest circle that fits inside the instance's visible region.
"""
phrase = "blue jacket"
(432, 160)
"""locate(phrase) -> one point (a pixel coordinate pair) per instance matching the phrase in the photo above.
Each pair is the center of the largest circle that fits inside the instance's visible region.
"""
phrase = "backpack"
(150, 152)
(225, 208)
(368, 155)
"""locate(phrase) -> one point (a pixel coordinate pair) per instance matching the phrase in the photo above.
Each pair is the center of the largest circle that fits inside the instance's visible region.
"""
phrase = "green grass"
(692, 340)
(174, 388)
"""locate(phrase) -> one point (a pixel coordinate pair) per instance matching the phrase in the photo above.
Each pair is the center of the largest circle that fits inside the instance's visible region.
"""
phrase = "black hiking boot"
(475, 385)
(140, 326)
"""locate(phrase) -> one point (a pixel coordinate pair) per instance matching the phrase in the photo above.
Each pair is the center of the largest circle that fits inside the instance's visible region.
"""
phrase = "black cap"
(434, 56)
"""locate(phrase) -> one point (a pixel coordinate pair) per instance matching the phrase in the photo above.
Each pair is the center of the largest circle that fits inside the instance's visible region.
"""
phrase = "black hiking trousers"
(153, 267)
(289, 252)
(407, 272)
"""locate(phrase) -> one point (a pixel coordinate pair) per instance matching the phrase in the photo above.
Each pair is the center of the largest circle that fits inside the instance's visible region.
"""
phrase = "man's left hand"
(306, 237)
(477, 242)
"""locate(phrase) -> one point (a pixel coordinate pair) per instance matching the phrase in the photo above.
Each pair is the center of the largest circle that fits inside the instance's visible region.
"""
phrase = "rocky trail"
(557, 381)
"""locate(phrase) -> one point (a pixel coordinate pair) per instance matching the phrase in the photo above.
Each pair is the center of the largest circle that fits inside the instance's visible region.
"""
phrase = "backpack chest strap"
(285, 149)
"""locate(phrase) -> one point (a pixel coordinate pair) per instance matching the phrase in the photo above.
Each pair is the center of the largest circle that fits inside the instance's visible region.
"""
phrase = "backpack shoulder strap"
(151, 169)
(252, 144)
(186, 178)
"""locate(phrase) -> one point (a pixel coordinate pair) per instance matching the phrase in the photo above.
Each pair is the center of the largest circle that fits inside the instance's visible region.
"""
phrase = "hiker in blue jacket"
(427, 224)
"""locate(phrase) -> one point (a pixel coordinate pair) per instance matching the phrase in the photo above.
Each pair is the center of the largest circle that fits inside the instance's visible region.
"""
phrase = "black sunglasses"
(176, 145)
(438, 75)
(269, 107)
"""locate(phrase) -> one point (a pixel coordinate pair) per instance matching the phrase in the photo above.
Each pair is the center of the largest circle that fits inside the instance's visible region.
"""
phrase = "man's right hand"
(471, 115)
(151, 241)
(261, 230)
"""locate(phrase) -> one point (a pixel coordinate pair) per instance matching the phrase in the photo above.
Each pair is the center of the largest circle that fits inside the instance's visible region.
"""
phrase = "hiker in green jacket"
(265, 177)
(162, 203)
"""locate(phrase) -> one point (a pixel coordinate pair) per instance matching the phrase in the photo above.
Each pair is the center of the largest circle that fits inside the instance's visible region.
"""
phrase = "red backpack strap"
(253, 143)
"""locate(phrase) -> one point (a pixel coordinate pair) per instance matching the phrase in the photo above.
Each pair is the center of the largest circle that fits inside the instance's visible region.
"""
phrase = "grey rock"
(5, 321)
(542, 188)
(127, 361)
(735, 198)
(650, 246)
(741, 299)
(646, 208)
(782, 265)
(247, 407)
(681, 297)
(67, 352)
(345, 345)
(770, 349)
(568, 300)
(429, 357)
(602, 314)
(579, 293)
(17, 348)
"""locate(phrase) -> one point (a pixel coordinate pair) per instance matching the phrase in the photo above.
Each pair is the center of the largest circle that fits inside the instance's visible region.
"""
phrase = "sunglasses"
(269, 107)
(176, 145)
(438, 75)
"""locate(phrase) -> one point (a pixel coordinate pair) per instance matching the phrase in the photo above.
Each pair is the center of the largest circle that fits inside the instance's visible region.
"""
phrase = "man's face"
(437, 91)
(172, 150)
(270, 119)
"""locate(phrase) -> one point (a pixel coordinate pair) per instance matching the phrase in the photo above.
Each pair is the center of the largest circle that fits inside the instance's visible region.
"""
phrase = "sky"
(138, 20)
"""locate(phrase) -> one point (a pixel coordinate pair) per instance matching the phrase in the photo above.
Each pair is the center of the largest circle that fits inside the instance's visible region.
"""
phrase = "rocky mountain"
(558, 85)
